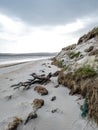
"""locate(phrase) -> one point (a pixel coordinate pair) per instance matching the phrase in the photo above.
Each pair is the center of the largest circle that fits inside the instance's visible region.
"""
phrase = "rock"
(53, 98)
(89, 49)
(14, 124)
(38, 103)
(31, 115)
(41, 90)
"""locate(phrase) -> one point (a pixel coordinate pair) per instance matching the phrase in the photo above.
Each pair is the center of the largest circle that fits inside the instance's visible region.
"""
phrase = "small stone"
(53, 98)
(31, 115)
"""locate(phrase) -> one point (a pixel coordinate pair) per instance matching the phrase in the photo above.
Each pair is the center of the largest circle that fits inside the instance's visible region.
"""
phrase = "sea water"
(12, 59)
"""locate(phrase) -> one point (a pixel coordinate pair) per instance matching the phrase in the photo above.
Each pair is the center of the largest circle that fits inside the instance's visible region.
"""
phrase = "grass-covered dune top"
(73, 54)
(79, 70)
(93, 33)
(85, 72)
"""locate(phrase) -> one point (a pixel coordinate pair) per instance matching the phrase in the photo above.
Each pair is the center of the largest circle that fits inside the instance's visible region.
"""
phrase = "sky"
(29, 26)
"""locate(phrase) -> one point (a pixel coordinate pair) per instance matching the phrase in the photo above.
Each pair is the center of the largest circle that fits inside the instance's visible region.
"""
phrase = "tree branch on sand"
(37, 79)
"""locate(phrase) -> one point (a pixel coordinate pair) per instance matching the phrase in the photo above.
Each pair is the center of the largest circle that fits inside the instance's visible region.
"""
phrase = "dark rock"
(31, 115)
(53, 98)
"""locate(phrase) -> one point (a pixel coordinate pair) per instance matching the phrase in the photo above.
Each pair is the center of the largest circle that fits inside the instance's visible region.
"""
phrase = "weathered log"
(37, 79)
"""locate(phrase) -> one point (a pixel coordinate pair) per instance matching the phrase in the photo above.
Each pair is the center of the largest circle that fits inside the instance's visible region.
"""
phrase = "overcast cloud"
(44, 25)
(49, 12)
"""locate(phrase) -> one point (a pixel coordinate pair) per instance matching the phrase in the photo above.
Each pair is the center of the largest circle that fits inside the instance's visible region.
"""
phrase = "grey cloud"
(49, 12)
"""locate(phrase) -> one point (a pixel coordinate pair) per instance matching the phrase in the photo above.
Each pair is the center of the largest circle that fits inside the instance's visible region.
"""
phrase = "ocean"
(20, 58)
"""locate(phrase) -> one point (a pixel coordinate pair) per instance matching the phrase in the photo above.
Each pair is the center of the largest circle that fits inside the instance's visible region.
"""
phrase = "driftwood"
(37, 79)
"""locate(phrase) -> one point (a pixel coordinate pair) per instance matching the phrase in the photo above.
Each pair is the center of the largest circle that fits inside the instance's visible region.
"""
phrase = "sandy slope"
(67, 116)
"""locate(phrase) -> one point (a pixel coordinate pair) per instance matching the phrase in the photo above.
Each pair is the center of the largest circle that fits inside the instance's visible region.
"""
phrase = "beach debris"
(53, 98)
(84, 109)
(41, 79)
(41, 90)
(37, 103)
(14, 124)
(31, 115)
(37, 79)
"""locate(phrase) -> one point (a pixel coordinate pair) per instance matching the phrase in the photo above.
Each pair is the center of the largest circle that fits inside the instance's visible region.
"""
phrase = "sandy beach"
(61, 114)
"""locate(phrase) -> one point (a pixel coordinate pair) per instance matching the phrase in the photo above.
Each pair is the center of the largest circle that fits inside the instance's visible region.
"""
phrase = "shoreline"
(4, 65)
(12, 64)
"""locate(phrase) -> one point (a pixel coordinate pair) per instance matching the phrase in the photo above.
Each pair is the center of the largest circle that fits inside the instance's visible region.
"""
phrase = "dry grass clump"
(37, 103)
(73, 54)
(92, 101)
(85, 72)
(41, 90)
(83, 81)
(14, 124)
(72, 78)
(57, 62)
